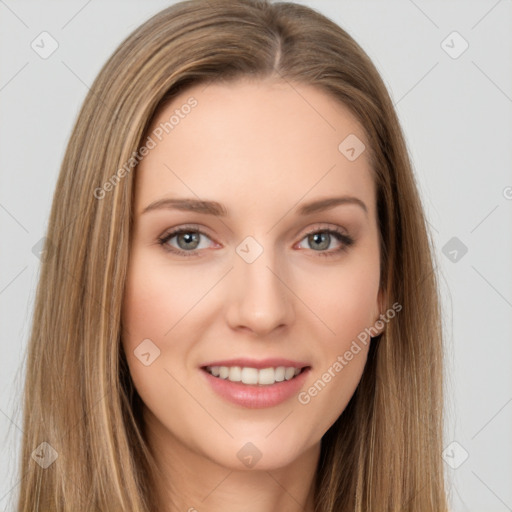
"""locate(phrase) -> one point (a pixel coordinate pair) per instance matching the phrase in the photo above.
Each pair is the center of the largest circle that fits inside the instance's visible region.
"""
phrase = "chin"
(253, 453)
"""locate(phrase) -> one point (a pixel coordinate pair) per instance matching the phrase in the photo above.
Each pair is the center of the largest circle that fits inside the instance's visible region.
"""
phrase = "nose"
(260, 300)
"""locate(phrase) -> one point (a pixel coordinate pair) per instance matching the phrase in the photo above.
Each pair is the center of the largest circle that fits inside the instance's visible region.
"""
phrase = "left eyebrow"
(328, 203)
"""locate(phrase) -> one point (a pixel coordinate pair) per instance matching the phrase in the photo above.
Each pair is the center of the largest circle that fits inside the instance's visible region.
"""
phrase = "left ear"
(380, 306)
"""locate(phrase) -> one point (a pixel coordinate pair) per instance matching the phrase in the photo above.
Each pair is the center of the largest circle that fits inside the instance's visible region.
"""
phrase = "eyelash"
(345, 240)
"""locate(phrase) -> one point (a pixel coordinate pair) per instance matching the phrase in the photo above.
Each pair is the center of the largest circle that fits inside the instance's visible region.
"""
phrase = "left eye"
(321, 240)
(187, 239)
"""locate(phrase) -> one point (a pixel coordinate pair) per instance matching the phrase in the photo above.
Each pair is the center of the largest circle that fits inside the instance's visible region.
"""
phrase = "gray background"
(456, 113)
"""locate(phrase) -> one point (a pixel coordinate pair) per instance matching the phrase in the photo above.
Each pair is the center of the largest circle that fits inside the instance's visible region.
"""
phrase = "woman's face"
(265, 274)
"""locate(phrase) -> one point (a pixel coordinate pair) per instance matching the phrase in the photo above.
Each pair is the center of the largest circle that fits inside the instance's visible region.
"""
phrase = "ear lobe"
(382, 299)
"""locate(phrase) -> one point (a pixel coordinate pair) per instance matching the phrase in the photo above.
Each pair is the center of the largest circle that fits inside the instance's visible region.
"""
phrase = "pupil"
(189, 237)
(317, 238)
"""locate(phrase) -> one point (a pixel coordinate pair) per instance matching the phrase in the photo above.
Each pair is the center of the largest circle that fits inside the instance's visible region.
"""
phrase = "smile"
(254, 376)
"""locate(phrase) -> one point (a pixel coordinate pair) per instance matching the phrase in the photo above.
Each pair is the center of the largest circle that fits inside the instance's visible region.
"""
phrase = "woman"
(239, 310)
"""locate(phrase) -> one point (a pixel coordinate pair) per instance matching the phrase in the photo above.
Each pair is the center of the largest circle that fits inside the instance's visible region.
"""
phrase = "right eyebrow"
(190, 205)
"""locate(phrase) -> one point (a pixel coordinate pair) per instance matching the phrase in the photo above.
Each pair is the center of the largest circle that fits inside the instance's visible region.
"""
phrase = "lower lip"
(256, 397)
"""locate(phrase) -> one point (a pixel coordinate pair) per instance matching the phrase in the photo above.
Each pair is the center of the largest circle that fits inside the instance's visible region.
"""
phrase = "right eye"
(187, 241)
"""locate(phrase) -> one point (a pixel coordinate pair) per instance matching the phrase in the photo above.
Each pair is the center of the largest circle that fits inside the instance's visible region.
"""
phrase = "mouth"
(251, 376)
(254, 384)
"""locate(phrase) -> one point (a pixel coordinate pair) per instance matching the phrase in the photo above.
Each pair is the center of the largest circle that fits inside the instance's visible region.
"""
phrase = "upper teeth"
(253, 376)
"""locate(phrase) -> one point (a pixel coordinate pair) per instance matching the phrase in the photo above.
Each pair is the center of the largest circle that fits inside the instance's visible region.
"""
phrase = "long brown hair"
(384, 451)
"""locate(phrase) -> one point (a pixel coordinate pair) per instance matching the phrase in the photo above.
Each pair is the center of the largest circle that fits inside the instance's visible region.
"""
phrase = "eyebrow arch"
(328, 203)
(189, 205)
(215, 208)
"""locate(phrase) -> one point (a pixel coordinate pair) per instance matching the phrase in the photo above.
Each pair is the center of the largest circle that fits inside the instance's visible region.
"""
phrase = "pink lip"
(253, 363)
(255, 396)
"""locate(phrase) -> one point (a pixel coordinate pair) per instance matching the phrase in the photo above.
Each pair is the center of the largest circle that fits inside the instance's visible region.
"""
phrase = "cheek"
(345, 298)
(150, 309)
(156, 298)
(356, 306)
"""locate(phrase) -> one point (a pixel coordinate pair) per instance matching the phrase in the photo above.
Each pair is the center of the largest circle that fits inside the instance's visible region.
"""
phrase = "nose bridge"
(259, 301)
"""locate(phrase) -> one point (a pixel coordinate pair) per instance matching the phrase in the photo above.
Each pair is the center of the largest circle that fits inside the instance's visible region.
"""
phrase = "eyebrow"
(215, 208)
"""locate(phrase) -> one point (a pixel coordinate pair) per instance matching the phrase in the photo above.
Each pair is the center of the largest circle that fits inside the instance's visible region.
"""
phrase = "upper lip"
(255, 363)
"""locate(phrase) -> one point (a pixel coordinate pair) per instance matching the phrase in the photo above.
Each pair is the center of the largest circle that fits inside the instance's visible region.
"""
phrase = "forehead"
(251, 141)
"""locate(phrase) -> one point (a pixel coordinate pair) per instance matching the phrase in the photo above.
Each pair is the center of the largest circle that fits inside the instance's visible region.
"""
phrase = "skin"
(262, 149)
